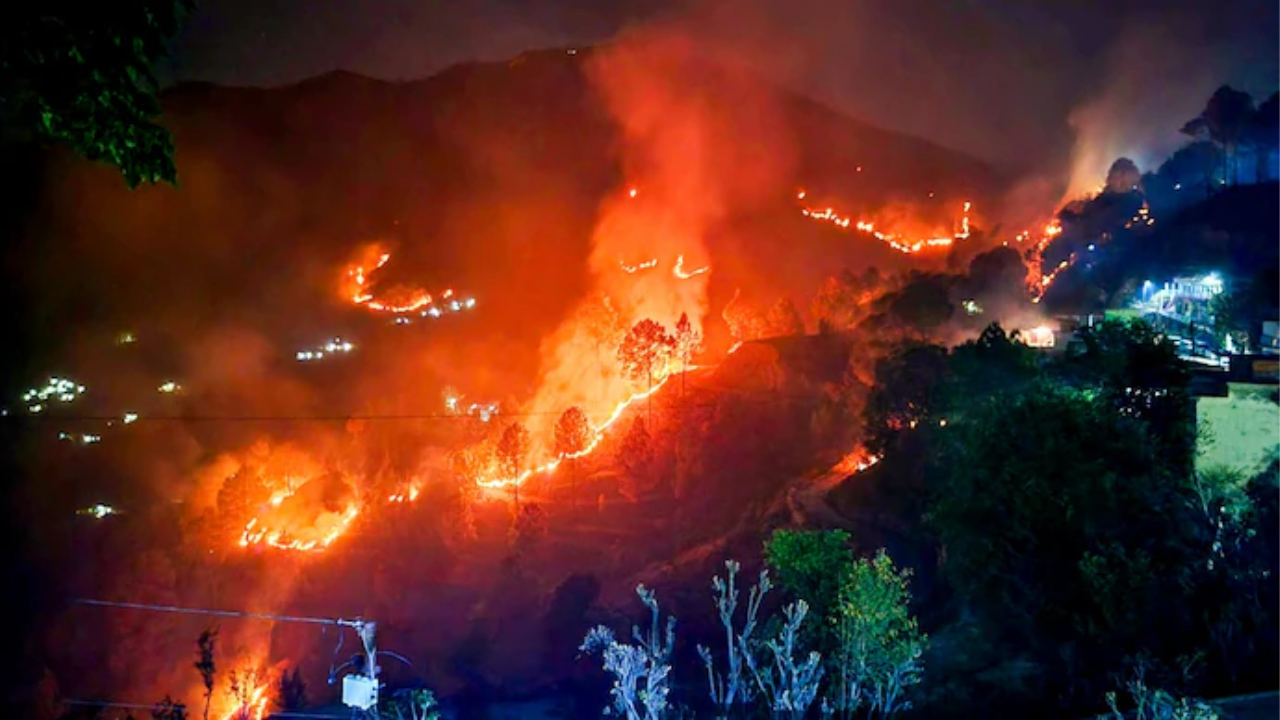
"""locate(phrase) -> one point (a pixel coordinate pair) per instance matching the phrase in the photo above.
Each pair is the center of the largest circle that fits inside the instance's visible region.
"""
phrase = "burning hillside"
(302, 450)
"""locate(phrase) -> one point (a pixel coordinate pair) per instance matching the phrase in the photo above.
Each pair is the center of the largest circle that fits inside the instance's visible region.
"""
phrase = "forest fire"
(597, 433)
(894, 240)
(318, 537)
(398, 300)
(1037, 281)
(246, 697)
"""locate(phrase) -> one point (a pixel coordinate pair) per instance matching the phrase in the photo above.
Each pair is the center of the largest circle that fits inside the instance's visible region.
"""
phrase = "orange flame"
(597, 435)
(251, 704)
(893, 240)
(681, 273)
(398, 300)
(282, 540)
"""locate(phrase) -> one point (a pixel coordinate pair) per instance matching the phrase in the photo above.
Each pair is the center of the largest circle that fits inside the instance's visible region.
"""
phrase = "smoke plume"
(698, 138)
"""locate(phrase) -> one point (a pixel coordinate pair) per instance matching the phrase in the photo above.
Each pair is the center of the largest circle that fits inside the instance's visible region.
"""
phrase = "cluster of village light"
(333, 347)
(484, 411)
(56, 390)
(98, 511)
(434, 311)
(1142, 218)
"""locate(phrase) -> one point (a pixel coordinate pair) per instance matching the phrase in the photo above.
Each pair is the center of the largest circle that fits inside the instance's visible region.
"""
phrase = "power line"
(329, 418)
(214, 613)
(156, 706)
(105, 704)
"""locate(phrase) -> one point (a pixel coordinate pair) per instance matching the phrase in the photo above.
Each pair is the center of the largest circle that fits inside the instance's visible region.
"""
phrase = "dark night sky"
(997, 78)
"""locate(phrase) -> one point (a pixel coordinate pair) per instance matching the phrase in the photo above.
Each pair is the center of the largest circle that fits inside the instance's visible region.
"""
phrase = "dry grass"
(1244, 428)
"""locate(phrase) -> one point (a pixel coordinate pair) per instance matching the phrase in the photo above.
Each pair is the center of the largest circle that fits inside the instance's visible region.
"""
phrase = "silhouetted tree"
(923, 305)
(907, 387)
(645, 350)
(1061, 526)
(1123, 177)
(1225, 121)
(1264, 136)
(85, 80)
(572, 436)
(784, 320)
(995, 274)
(744, 320)
(512, 448)
(238, 499)
(636, 455)
(291, 690)
(841, 301)
(167, 709)
(688, 342)
(529, 528)
(1194, 165)
(1137, 369)
(205, 665)
(243, 684)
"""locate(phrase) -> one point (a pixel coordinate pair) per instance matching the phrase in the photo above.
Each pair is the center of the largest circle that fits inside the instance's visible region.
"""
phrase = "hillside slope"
(479, 175)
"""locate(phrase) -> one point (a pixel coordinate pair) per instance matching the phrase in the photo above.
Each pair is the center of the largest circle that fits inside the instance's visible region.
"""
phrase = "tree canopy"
(83, 77)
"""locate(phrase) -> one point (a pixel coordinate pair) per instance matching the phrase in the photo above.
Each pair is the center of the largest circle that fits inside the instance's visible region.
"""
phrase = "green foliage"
(1150, 703)
(416, 704)
(83, 79)
(907, 383)
(811, 565)
(923, 304)
(1062, 527)
(1137, 370)
(994, 365)
(918, 382)
(880, 641)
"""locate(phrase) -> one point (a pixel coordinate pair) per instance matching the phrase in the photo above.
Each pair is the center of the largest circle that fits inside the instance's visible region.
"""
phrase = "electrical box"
(359, 691)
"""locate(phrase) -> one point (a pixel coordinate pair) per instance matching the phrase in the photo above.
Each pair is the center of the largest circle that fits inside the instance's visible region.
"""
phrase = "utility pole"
(359, 690)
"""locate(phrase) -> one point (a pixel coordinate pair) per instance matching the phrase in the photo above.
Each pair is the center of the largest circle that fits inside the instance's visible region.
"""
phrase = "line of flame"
(892, 240)
(598, 435)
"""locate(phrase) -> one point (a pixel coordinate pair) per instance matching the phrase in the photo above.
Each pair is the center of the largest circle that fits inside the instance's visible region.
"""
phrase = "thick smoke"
(1158, 75)
(699, 138)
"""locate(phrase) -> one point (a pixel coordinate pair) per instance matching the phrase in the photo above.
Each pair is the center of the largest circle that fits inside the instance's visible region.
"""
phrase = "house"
(1270, 339)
